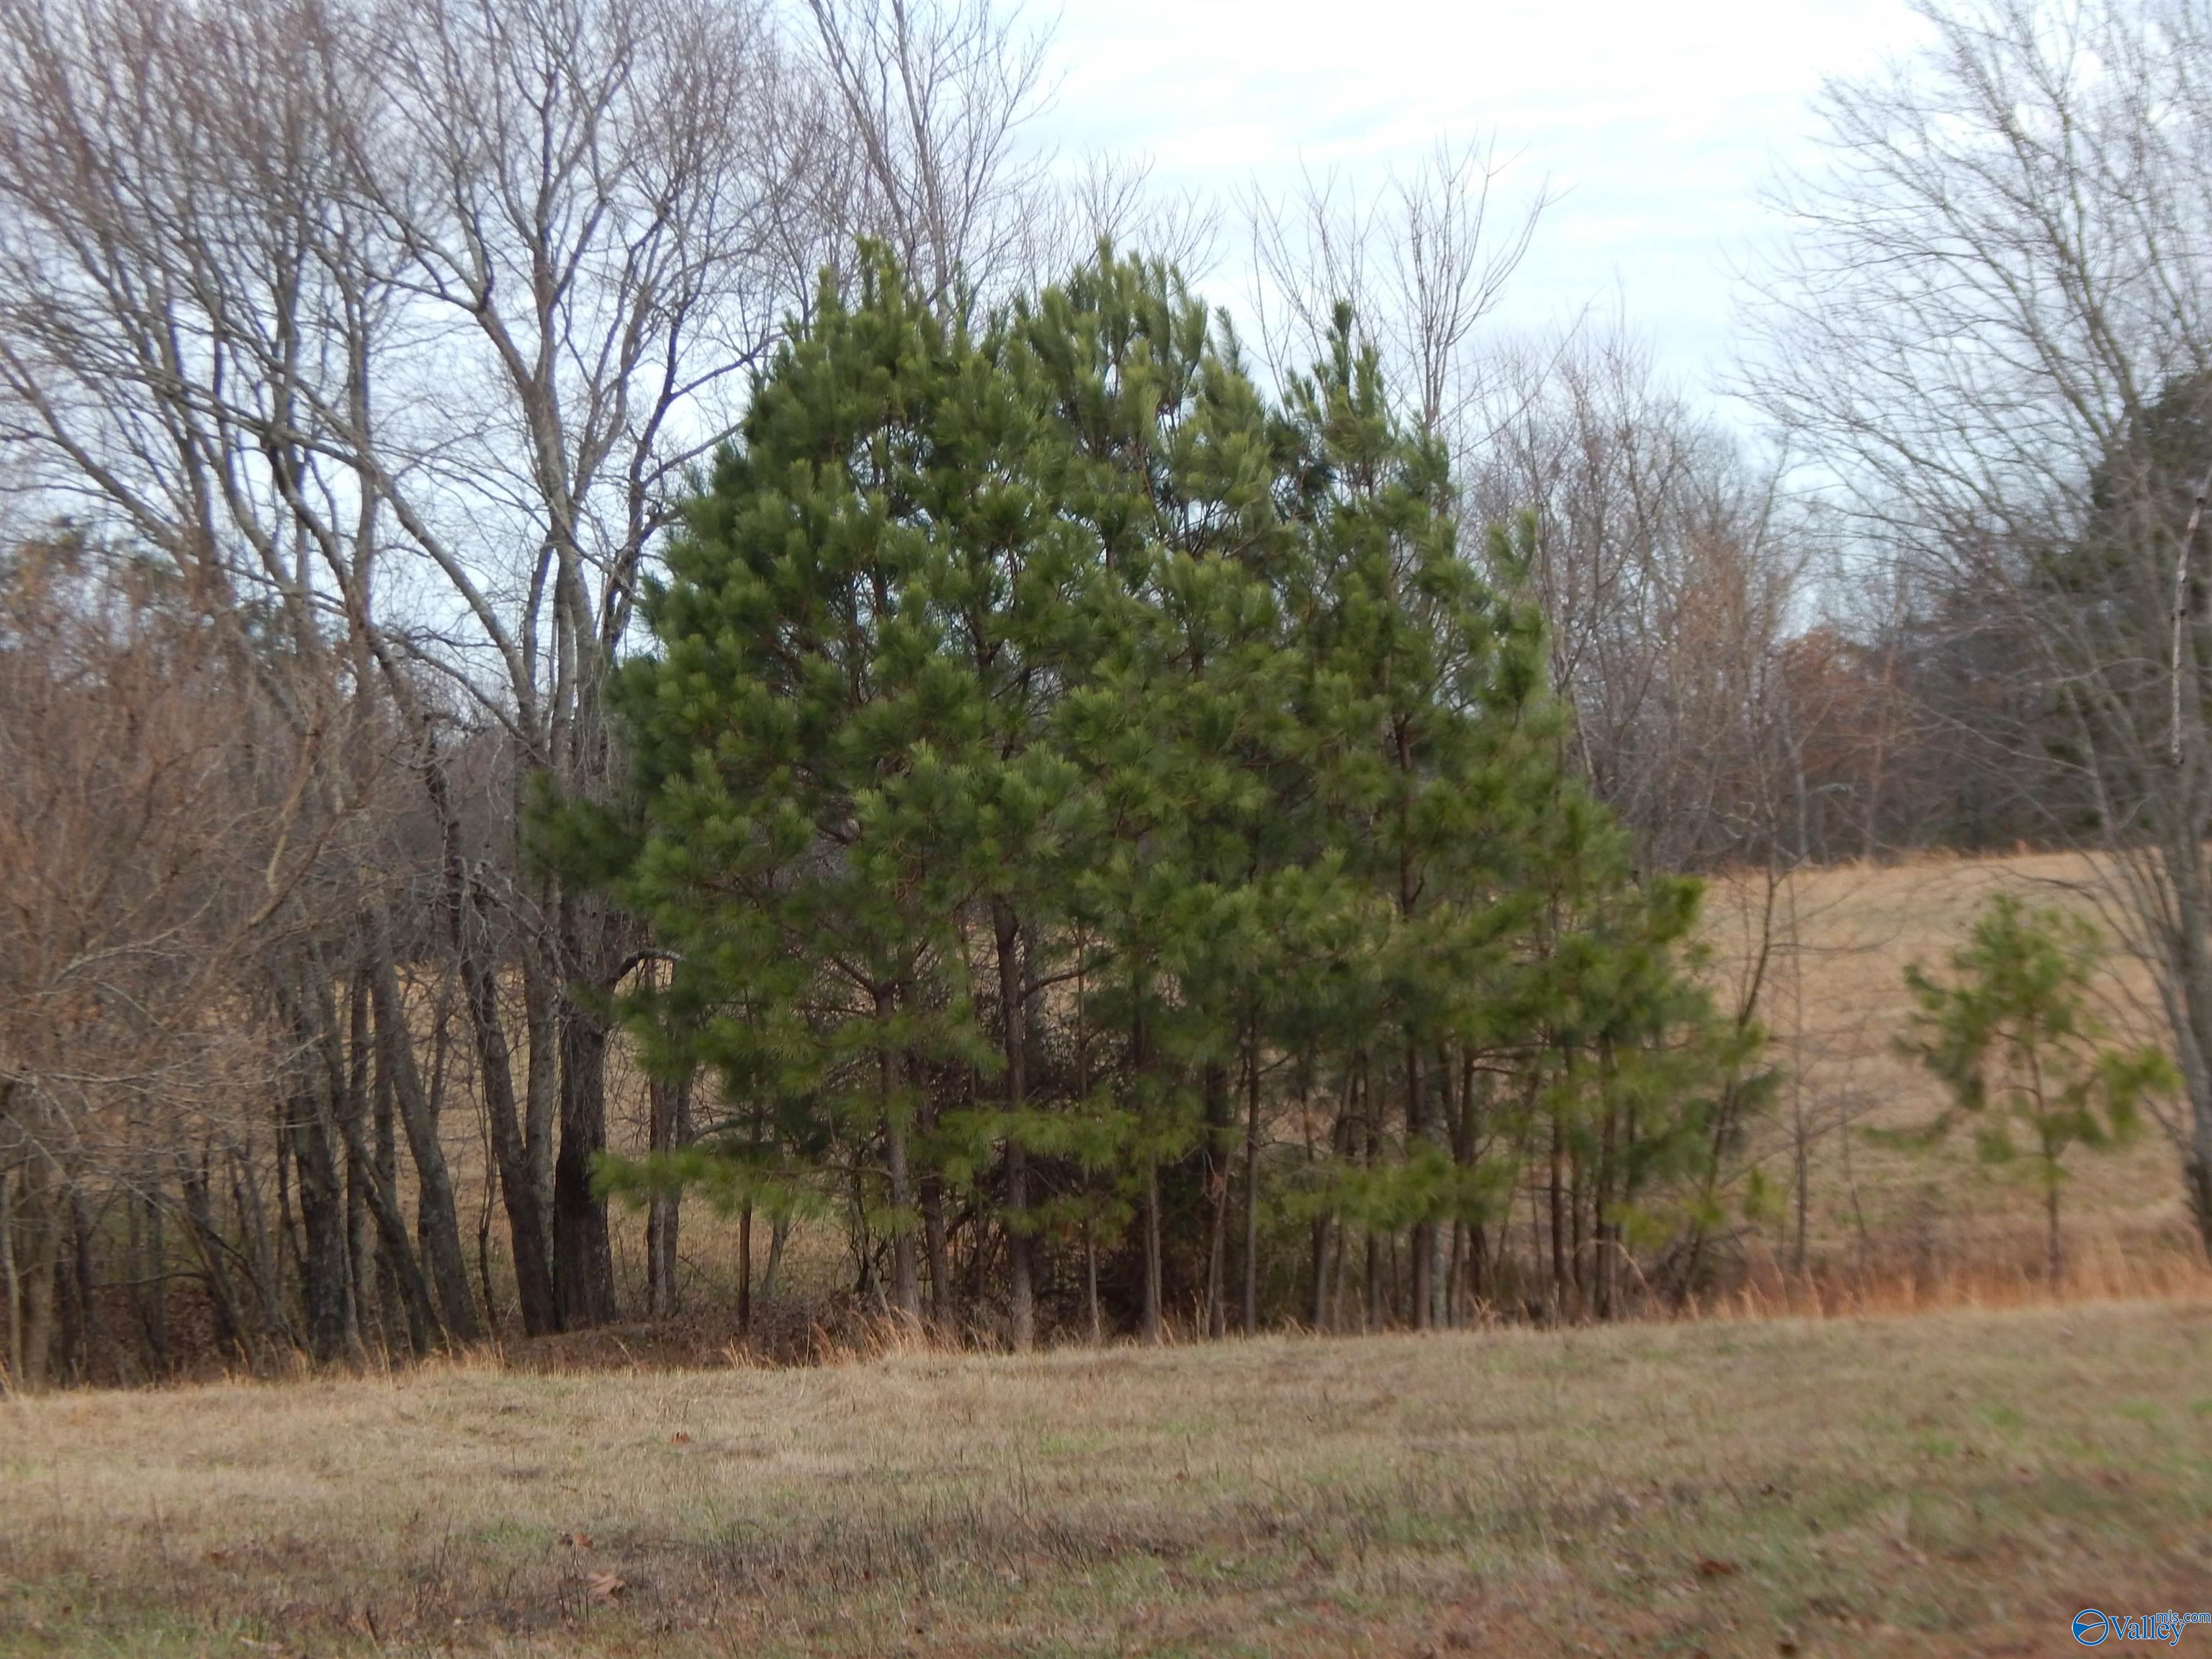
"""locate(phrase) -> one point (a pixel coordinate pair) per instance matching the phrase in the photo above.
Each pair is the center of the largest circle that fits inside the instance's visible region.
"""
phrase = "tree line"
(1126, 830)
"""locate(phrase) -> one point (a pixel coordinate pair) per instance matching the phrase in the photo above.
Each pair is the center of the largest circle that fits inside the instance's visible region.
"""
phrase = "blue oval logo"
(2091, 1627)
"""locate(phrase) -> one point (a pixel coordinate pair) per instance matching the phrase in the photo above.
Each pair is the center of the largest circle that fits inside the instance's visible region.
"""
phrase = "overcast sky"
(1657, 122)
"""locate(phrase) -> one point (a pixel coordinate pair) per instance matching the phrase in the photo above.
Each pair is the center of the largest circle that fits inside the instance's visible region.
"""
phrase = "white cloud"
(1658, 122)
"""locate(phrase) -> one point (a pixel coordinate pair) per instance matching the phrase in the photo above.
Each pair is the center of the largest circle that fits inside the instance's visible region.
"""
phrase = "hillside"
(1959, 1483)
(1834, 1003)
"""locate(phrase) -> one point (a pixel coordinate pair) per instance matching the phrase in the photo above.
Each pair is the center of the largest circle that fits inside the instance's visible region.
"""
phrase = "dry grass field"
(1836, 1001)
(1954, 1483)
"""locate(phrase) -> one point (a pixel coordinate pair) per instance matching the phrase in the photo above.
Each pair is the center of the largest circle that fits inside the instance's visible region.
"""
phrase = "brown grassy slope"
(1956, 1483)
(1857, 926)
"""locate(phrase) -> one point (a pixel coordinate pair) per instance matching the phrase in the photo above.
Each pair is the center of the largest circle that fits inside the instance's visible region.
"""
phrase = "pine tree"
(1171, 463)
(2016, 1043)
(1426, 703)
(807, 745)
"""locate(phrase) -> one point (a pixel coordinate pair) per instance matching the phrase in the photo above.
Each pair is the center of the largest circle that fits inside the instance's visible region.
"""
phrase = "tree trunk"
(1319, 1301)
(1251, 1310)
(85, 1320)
(526, 1221)
(1090, 1282)
(149, 1264)
(667, 1132)
(1339, 1139)
(1605, 1265)
(286, 1249)
(264, 1255)
(511, 1147)
(351, 1096)
(1421, 1126)
(2189, 1011)
(2197, 1186)
(779, 1234)
(1021, 1291)
(371, 1191)
(11, 1288)
(1214, 1162)
(583, 1255)
(745, 1269)
(392, 1299)
(934, 1248)
(1558, 1217)
(2056, 1262)
(1578, 1257)
(1149, 1326)
(1340, 1273)
(437, 1222)
(1371, 1312)
(541, 1098)
(905, 1289)
(1455, 1275)
(323, 1264)
(224, 1310)
(381, 1200)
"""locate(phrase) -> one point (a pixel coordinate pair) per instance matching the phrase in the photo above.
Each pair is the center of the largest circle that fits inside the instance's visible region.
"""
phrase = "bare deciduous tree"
(158, 833)
(1992, 330)
(393, 327)
(935, 99)
(1421, 263)
(1667, 574)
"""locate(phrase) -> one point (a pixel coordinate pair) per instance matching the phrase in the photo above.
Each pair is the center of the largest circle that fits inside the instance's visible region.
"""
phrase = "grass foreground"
(1957, 1482)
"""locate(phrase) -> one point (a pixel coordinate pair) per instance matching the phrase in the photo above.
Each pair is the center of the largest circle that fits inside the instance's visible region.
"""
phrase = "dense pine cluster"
(1108, 838)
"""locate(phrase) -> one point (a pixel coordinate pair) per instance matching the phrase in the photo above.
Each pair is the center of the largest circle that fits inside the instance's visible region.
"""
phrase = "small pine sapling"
(2017, 1044)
